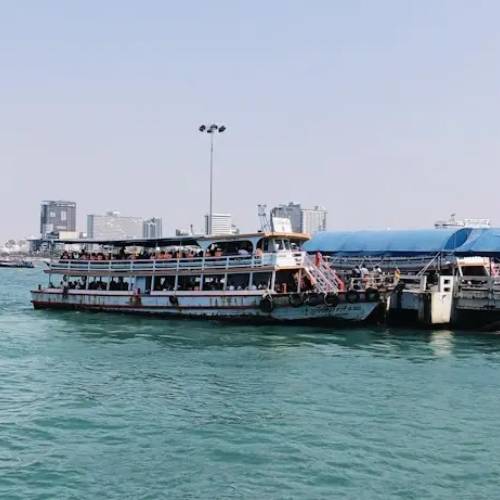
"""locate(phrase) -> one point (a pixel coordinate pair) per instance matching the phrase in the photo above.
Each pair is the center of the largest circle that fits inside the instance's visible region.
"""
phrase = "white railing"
(418, 262)
(324, 278)
(184, 264)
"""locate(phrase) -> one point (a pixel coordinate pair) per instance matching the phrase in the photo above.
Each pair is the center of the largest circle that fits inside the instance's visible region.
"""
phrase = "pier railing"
(478, 292)
(385, 262)
(477, 285)
(284, 258)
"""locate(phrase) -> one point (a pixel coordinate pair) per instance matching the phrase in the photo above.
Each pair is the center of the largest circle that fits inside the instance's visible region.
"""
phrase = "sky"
(386, 113)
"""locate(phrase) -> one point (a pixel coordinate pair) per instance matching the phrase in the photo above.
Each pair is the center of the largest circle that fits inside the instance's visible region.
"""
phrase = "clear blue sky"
(386, 112)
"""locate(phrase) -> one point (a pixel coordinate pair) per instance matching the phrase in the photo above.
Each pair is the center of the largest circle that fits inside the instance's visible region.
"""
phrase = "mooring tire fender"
(296, 299)
(352, 296)
(173, 300)
(315, 299)
(266, 304)
(331, 299)
(372, 295)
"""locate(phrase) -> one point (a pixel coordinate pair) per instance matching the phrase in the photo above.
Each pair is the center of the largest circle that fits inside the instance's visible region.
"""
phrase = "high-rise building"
(302, 220)
(313, 220)
(56, 216)
(221, 224)
(114, 226)
(152, 228)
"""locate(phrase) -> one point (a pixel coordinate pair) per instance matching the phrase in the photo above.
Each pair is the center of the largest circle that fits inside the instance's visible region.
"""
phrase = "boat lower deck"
(237, 305)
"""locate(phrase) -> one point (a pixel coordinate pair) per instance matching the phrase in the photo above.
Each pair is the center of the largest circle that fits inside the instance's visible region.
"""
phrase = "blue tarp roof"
(389, 242)
(481, 242)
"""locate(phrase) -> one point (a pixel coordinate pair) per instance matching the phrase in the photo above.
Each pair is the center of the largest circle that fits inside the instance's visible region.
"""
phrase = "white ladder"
(324, 277)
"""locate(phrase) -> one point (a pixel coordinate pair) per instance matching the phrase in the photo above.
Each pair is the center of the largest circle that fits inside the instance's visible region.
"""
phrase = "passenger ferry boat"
(249, 277)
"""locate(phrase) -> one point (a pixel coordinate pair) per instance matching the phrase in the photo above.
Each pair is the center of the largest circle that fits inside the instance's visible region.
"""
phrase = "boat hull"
(236, 306)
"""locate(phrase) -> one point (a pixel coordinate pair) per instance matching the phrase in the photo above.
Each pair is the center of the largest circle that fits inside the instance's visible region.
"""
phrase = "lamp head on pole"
(211, 129)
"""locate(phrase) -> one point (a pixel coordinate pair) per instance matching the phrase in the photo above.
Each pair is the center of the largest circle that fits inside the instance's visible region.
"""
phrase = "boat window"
(98, 283)
(286, 281)
(279, 245)
(166, 283)
(261, 281)
(74, 282)
(238, 281)
(263, 245)
(213, 282)
(189, 283)
(120, 284)
(229, 248)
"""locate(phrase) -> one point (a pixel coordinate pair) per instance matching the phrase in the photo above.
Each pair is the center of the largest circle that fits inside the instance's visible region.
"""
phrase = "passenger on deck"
(318, 259)
(397, 275)
(364, 271)
(122, 285)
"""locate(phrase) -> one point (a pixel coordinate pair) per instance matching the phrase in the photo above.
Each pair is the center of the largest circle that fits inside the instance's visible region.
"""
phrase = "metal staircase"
(324, 278)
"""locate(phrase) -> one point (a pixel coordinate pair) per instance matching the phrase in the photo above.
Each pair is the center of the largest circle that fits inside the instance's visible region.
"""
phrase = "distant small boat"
(16, 263)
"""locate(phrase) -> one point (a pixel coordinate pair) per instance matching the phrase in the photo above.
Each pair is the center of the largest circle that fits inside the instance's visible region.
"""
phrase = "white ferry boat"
(248, 277)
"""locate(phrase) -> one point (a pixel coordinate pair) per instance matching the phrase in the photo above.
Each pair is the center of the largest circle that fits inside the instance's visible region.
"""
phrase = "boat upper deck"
(279, 260)
(243, 252)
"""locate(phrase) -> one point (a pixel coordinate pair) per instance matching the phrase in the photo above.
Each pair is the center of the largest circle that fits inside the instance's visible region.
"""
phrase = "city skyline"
(382, 113)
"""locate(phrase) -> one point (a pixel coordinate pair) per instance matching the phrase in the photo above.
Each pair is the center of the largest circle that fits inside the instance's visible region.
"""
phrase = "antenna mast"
(263, 220)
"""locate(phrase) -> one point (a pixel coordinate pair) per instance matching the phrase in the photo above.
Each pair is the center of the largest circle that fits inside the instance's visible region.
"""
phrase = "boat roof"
(183, 240)
(388, 242)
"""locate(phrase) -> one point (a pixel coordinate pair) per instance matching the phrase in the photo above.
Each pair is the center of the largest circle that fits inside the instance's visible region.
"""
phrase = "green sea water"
(97, 405)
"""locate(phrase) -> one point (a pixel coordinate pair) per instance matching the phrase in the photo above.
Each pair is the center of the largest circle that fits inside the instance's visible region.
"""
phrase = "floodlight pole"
(209, 227)
(211, 130)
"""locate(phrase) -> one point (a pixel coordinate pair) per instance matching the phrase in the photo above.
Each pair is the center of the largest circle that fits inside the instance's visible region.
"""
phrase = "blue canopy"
(389, 242)
(481, 242)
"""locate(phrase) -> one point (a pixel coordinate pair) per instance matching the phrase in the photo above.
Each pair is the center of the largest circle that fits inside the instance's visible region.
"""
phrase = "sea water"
(96, 405)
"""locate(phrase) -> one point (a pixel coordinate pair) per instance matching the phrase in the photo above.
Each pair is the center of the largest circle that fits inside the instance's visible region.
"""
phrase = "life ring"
(173, 300)
(266, 304)
(372, 295)
(296, 299)
(352, 296)
(315, 299)
(332, 299)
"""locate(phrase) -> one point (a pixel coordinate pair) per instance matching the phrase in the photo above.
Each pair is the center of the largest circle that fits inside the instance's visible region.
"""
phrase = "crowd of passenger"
(96, 284)
(174, 254)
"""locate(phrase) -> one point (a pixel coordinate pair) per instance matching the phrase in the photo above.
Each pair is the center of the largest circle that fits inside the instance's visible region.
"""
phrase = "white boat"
(16, 263)
(248, 277)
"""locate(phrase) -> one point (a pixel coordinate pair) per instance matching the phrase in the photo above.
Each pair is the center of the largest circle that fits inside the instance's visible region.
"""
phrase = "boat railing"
(181, 264)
